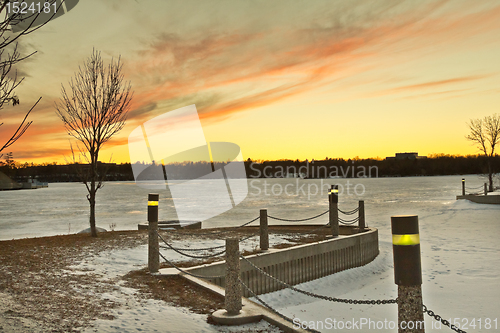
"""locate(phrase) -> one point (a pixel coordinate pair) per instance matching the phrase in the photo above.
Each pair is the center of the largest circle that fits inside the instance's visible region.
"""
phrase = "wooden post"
(361, 214)
(264, 232)
(233, 293)
(463, 186)
(154, 248)
(408, 273)
(485, 189)
(333, 198)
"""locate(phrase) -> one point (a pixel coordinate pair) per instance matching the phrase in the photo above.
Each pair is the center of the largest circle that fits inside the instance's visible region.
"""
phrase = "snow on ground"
(136, 315)
(154, 316)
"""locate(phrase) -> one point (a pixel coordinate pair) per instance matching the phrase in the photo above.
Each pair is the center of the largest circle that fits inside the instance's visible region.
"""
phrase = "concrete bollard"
(408, 273)
(233, 293)
(361, 215)
(463, 186)
(264, 232)
(333, 199)
(485, 189)
(154, 248)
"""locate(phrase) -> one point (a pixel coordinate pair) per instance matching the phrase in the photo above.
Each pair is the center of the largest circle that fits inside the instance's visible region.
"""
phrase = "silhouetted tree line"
(53, 173)
(350, 168)
(355, 168)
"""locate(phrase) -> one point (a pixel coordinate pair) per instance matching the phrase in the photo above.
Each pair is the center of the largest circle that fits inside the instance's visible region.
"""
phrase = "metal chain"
(196, 249)
(190, 255)
(207, 248)
(327, 298)
(349, 221)
(442, 320)
(270, 307)
(186, 272)
(355, 210)
(474, 187)
(299, 220)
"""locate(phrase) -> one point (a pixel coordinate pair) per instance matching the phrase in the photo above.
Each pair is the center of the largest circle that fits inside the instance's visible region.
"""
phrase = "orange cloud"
(253, 80)
(441, 82)
(433, 84)
(227, 73)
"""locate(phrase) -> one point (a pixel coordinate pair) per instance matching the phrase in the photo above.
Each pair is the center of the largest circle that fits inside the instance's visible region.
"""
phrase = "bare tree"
(23, 25)
(485, 133)
(93, 111)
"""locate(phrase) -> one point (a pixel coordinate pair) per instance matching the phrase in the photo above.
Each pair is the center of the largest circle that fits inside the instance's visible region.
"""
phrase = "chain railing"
(188, 273)
(250, 291)
(350, 212)
(442, 320)
(348, 222)
(311, 294)
(230, 229)
(297, 220)
(323, 297)
(181, 251)
(474, 190)
(475, 187)
(188, 249)
(192, 255)
(334, 299)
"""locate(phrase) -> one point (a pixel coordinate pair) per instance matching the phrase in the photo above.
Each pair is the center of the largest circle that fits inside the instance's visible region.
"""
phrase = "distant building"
(405, 156)
(8, 184)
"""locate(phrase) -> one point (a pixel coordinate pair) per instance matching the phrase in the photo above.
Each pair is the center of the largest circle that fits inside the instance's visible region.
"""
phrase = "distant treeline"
(355, 168)
(54, 173)
(350, 168)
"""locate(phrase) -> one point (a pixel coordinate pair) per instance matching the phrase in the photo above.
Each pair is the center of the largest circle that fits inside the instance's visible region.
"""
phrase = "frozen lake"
(459, 240)
(63, 207)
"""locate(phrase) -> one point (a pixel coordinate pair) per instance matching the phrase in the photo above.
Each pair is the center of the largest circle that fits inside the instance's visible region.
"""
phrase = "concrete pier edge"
(253, 312)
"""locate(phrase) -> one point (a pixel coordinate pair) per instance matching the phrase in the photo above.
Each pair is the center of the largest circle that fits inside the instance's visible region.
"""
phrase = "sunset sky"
(282, 79)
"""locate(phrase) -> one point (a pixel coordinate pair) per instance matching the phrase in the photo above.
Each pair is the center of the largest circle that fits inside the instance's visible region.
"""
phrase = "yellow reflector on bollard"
(152, 203)
(406, 239)
(334, 191)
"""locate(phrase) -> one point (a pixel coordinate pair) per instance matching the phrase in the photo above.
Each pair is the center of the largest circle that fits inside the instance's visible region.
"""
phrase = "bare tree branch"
(20, 130)
(485, 133)
(93, 110)
(8, 59)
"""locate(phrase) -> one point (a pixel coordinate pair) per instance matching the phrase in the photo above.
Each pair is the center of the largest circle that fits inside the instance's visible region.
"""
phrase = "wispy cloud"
(230, 72)
(419, 87)
(432, 84)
